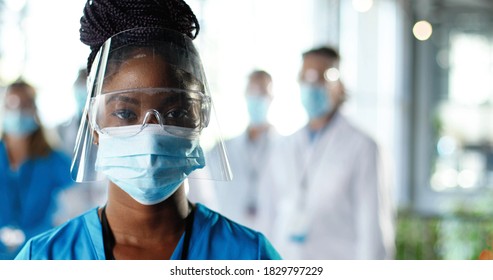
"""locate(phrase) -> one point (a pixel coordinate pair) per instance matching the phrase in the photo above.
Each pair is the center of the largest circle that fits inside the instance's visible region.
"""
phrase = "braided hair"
(104, 18)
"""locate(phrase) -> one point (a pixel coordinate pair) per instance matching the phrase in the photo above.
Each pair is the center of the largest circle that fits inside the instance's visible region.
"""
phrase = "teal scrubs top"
(213, 237)
(28, 195)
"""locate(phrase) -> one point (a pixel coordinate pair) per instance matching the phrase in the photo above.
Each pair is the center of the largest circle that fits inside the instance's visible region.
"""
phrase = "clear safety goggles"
(167, 107)
(148, 76)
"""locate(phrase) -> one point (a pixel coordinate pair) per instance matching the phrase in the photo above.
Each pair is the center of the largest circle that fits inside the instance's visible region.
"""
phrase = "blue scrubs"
(214, 237)
(28, 195)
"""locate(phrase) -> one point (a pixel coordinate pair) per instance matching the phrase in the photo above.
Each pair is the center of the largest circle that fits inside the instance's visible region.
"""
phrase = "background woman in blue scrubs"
(31, 172)
(148, 109)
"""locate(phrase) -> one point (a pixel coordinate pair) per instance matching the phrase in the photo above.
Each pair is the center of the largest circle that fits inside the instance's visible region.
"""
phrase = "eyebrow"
(122, 98)
(174, 98)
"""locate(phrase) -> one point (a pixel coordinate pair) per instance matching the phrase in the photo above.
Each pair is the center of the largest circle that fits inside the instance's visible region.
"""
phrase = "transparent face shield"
(146, 79)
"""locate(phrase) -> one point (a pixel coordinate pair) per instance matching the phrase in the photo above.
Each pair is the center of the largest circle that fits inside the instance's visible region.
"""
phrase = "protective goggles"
(148, 76)
(167, 107)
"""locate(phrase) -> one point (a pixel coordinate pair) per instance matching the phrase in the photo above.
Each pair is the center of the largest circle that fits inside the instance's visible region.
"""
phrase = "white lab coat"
(248, 161)
(348, 213)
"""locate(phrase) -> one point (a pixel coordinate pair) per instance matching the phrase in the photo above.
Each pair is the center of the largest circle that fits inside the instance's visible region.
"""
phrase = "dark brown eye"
(125, 115)
(176, 114)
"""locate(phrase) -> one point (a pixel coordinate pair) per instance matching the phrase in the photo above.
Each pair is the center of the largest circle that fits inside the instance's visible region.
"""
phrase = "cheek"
(335, 97)
(12, 101)
(336, 92)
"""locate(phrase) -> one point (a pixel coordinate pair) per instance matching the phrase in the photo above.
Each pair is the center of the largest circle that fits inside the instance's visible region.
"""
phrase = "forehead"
(259, 81)
(16, 97)
(143, 70)
(317, 62)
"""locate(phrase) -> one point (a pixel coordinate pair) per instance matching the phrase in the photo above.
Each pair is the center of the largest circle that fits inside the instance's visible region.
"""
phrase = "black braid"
(105, 18)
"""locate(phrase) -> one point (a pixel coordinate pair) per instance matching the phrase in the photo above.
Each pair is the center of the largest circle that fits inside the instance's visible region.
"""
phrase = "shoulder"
(230, 240)
(3, 151)
(274, 134)
(57, 164)
(228, 143)
(59, 157)
(3, 148)
(294, 137)
(236, 140)
(354, 133)
(70, 240)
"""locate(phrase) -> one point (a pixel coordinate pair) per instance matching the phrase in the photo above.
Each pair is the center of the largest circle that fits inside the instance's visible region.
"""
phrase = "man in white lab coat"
(326, 196)
(248, 154)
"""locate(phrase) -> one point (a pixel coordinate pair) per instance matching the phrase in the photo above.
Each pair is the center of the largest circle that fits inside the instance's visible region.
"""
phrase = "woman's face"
(313, 71)
(146, 89)
(19, 117)
(20, 99)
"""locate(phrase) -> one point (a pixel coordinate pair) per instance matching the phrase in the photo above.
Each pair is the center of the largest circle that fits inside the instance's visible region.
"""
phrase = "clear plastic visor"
(137, 80)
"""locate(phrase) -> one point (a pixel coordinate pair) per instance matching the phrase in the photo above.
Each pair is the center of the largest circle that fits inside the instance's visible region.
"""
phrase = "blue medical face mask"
(19, 123)
(80, 95)
(258, 108)
(151, 165)
(315, 100)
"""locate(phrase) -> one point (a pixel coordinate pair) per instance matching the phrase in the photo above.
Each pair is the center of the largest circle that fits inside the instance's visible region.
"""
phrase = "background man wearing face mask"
(330, 199)
(83, 196)
(248, 154)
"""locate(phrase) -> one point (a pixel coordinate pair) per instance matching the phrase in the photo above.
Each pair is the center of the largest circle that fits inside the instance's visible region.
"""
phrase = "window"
(454, 109)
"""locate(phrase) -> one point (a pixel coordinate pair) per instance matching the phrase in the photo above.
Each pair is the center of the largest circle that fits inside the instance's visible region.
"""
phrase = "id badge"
(298, 226)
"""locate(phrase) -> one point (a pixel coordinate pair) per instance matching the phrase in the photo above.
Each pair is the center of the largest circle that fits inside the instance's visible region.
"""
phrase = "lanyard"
(109, 239)
(256, 150)
(310, 158)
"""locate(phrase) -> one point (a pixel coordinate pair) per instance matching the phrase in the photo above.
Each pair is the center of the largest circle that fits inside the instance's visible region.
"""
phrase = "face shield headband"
(148, 76)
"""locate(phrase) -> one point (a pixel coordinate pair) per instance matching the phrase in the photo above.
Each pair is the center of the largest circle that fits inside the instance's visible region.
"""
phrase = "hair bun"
(104, 18)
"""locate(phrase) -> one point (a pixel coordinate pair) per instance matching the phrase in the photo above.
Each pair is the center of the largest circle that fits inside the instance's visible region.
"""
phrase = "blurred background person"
(248, 154)
(31, 172)
(406, 67)
(83, 196)
(68, 130)
(331, 200)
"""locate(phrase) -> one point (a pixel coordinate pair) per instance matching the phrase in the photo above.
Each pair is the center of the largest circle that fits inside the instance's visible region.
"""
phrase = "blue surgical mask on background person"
(151, 165)
(19, 123)
(315, 100)
(258, 108)
(80, 95)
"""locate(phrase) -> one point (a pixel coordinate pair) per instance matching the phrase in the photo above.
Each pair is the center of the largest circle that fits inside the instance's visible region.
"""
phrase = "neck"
(320, 122)
(17, 149)
(255, 131)
(147, 226)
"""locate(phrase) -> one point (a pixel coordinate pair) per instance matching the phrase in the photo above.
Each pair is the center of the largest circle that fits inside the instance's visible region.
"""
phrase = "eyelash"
(182, 113)
(118, 114)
